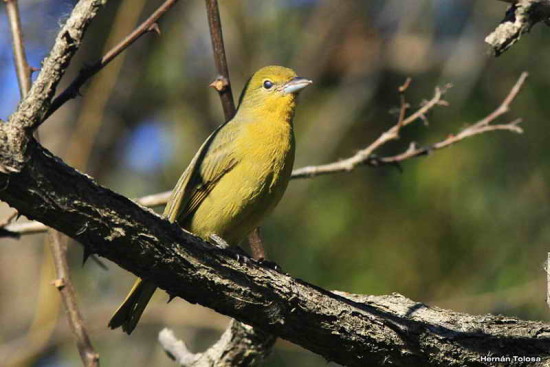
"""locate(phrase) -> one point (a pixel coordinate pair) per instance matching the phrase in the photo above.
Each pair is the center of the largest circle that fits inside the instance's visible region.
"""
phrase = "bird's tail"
(129, 312)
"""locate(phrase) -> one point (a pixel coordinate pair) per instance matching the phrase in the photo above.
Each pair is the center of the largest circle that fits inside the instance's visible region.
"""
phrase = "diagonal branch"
(73, 89)
(21, 65)
(34, 107)
(348, 330)
(366, 156)
(63, 283)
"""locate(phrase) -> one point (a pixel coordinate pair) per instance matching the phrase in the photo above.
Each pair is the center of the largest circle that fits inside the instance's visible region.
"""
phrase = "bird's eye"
(268, 84)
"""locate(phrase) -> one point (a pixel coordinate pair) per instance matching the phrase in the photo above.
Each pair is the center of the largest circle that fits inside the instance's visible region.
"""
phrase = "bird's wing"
(213, 160)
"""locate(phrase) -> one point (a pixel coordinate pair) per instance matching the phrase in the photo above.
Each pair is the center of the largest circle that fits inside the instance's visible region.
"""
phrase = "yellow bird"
(238, 175)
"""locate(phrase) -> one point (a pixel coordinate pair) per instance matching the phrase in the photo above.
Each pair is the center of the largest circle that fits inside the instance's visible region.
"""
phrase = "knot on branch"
(59, 283)
(13, 141)
(220, 84)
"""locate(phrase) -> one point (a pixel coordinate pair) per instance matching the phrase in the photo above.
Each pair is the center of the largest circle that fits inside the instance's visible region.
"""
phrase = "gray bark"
(239, 346)
(351, 330)
(520, 17)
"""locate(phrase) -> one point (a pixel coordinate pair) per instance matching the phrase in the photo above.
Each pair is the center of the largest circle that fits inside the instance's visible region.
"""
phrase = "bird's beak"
(295, 85)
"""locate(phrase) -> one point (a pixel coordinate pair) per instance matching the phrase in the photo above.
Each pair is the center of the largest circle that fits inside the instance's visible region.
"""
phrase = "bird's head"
(272, 88)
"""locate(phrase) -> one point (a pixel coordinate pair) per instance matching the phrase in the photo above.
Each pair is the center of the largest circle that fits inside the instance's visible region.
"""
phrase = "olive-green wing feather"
(213, 160)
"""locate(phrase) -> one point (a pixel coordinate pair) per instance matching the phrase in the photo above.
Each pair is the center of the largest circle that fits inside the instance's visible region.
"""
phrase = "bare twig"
(520, 17)
(98, 93)
(480, 127)
(148, 25)
(90, 358)
(256, 245)
(366, 156)
(222, 83)
(22, 66)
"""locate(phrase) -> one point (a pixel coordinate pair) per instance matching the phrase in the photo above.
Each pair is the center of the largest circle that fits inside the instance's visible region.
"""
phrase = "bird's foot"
(269, 264)
(239, 253)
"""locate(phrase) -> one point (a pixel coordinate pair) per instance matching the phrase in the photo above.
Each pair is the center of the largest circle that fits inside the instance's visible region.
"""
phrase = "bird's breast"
(267, 150)
(248, 192)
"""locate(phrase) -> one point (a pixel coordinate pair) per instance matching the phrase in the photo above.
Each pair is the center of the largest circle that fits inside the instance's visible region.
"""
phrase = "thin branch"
(240, 345)
(480, 127)
(90, 358)
(149, 25)
(366, 156)
(21, 65)
(34, 107)
(222, 83)
(520, 17)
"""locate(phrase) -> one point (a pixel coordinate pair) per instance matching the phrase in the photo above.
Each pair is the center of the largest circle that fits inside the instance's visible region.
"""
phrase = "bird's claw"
(241, 255)
(269, 264)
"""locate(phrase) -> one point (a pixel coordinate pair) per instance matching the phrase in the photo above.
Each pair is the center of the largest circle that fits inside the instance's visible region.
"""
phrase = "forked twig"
(366, 156)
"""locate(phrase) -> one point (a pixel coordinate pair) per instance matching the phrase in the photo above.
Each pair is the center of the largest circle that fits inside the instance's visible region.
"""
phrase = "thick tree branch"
(33, 227)
(520, 17)
(348, 331)
(22, 67)
(73, 89)
(58, 246)
(547, 269)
